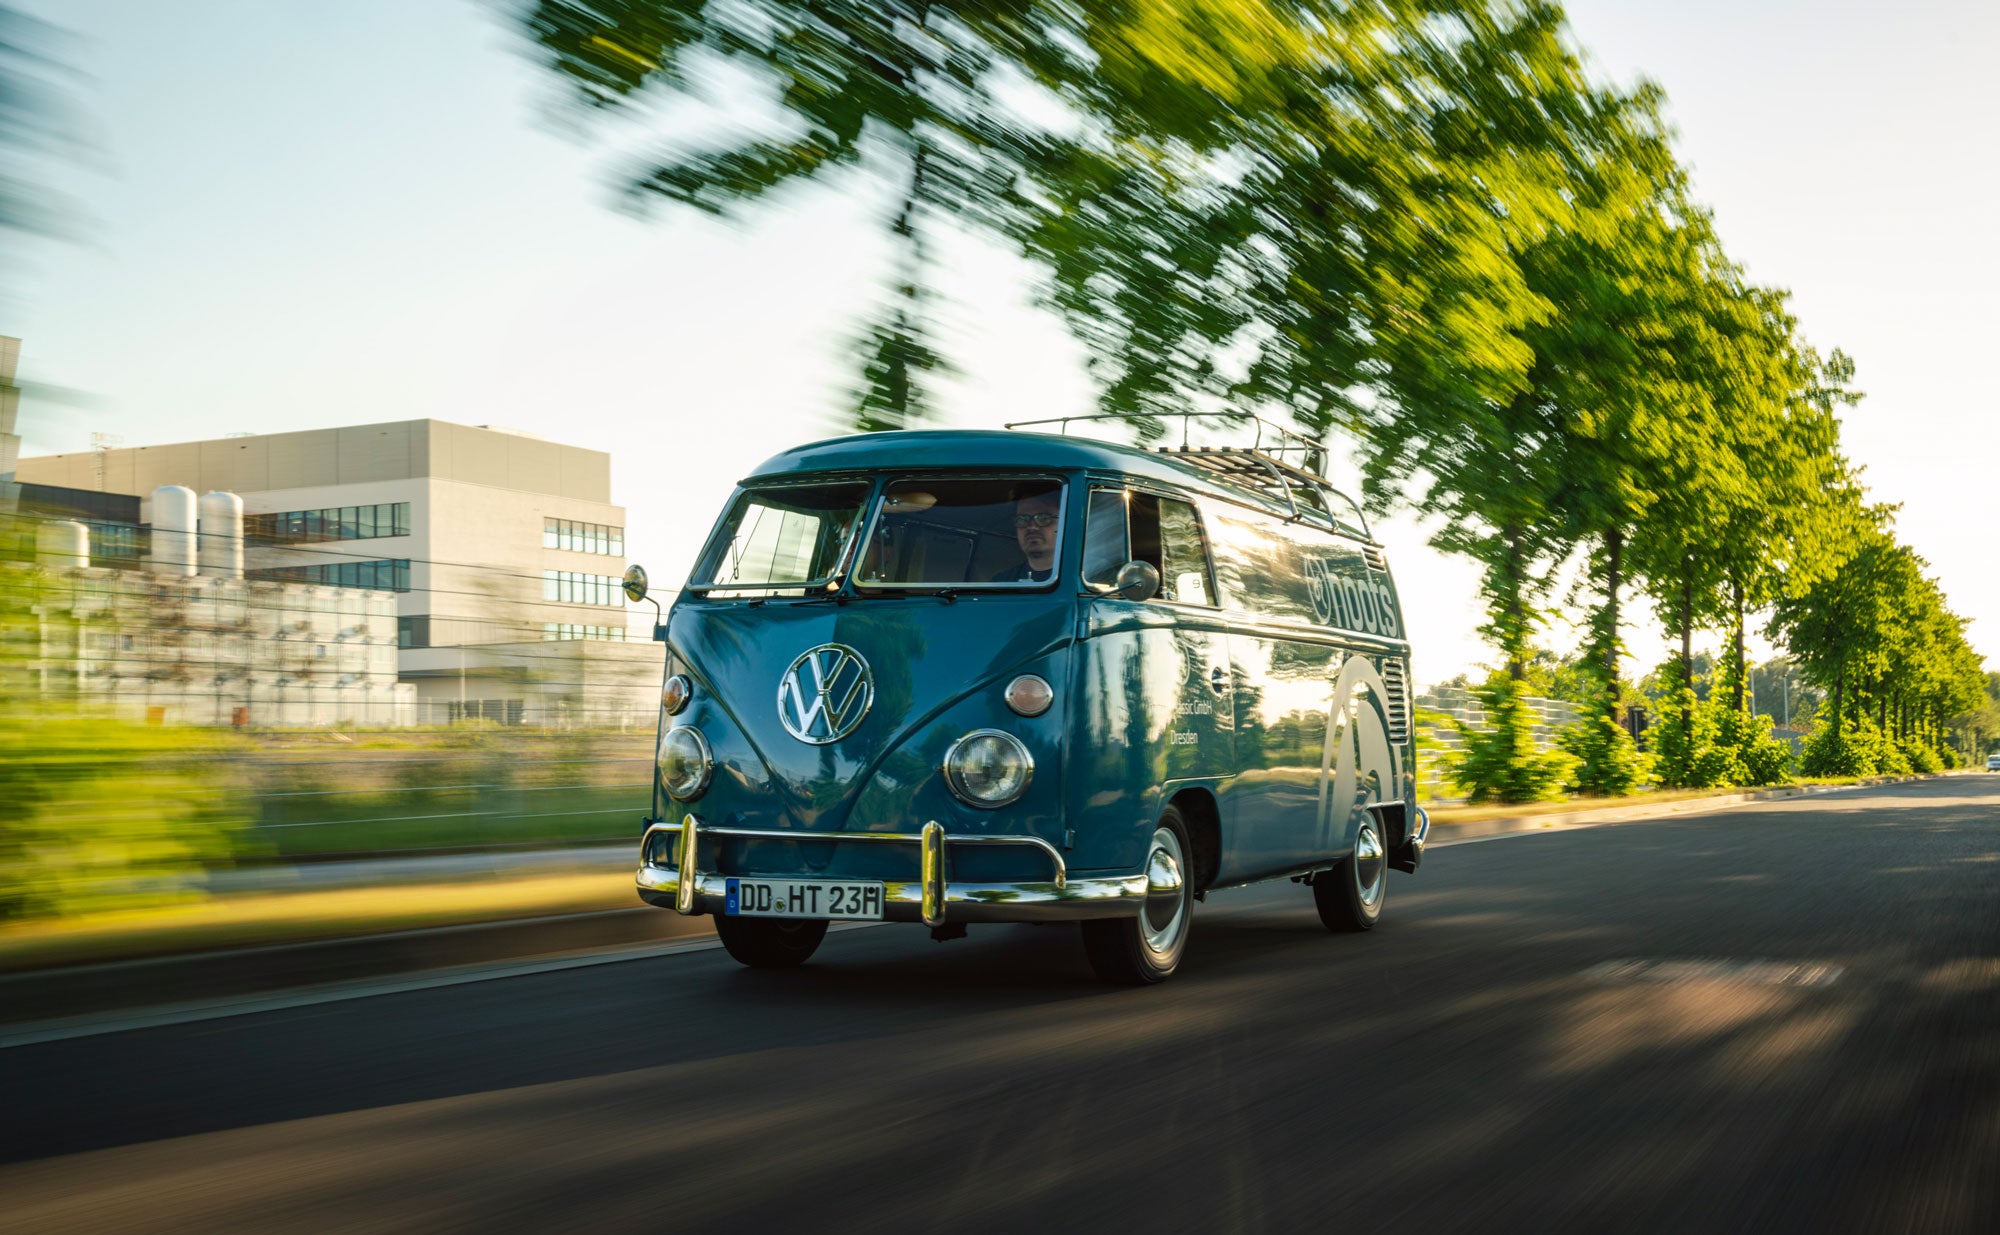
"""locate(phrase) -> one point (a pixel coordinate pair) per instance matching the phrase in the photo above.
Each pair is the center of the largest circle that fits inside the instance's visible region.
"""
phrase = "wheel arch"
(1198, 808)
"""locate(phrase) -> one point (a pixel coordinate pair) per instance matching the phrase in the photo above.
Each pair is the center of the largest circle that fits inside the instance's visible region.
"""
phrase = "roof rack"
(1278, 464)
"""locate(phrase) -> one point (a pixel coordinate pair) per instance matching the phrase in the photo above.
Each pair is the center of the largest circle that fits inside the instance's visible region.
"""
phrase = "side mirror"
(635, 583)
(1136, 581)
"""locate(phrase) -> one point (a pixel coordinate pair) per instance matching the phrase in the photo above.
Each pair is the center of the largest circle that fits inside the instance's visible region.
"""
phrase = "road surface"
(1782, 1018)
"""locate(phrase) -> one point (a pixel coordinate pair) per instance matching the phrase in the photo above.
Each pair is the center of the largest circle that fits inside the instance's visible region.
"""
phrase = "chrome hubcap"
(1371, 869)
(1166, 899)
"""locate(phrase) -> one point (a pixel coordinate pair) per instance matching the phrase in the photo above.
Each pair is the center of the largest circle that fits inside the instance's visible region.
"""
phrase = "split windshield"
(1004, 533)
(923, 535)
(782, 540)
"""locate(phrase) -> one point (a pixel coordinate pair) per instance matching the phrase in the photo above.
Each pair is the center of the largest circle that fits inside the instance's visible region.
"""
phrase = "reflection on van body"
(961, 677)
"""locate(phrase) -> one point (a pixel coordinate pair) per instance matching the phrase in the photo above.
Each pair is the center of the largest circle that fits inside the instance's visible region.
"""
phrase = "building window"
(573, 630)
(298, 527)
(386, 575)
(571, 588)
(583, 537)
(413, 631)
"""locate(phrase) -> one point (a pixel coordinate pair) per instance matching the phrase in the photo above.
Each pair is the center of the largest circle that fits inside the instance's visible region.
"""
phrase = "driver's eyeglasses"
(1041, 520)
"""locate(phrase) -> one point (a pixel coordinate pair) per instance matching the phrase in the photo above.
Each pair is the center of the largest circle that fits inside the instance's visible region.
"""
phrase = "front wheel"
(1141, 950)
(771, 943)
(1350, 895)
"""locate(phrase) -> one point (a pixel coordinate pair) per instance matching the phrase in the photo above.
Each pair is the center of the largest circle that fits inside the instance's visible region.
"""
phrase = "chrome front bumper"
(931, 899)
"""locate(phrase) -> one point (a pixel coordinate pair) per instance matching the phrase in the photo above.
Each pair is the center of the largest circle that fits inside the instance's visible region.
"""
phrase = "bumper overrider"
(933, 898)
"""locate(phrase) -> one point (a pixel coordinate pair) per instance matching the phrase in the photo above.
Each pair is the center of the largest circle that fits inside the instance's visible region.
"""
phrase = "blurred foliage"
(35, 125)
(95, 812)
(1500, 762)
(1417, 224)
(1608, 762)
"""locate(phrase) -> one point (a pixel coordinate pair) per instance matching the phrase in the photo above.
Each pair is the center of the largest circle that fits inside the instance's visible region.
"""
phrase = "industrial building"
(184, 637)
(501, 552)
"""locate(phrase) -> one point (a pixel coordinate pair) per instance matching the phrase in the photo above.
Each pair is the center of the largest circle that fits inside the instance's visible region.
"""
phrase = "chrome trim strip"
(933, 874)
(1110, 896)
(905, 838)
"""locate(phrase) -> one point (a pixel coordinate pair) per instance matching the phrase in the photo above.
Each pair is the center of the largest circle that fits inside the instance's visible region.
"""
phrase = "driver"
(1035, 531)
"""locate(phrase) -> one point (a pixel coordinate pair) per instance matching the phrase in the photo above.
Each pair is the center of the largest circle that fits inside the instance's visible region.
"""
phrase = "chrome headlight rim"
(676, 693)
(705, 761)
(958, 788)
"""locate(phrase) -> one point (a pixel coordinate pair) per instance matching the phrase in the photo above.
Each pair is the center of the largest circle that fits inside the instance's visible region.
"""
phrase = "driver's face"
(1035, 529)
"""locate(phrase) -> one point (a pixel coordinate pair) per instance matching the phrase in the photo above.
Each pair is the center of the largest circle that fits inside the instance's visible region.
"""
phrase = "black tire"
(771, 943)
(1147, 948)
(1350, 896)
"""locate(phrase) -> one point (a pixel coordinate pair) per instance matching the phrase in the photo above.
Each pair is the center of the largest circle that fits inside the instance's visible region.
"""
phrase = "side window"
(1183, 553)
(1106, 546)
(1163, 532)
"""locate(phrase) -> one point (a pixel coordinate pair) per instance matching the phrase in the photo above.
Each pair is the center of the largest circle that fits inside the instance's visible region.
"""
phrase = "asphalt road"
(1781, 1018)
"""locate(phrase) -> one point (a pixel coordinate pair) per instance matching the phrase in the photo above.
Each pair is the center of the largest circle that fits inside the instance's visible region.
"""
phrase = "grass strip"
(1573, 805)
(263, 918)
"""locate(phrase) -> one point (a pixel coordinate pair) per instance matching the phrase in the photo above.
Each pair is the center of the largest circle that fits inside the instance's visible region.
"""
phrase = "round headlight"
(988, 768)
(675, 695)
(685, 762)
(1029, 695)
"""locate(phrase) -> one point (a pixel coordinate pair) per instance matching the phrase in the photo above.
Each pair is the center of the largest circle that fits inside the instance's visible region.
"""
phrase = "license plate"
(803, 898)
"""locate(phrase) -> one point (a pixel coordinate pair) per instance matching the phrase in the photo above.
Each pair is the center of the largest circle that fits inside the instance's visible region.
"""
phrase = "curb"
(1551, 821)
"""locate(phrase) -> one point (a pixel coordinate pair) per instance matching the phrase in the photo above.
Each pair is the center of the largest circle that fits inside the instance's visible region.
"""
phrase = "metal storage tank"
(173, 530)
(221, 533)
(64, 542)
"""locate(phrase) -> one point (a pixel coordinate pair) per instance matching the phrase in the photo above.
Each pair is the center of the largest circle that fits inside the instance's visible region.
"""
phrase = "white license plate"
(803, 898)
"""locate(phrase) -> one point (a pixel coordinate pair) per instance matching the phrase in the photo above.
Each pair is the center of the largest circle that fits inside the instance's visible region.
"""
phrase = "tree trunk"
(1736, 598)
(1839, 680)
(1516, 617)
(1614, 552)
(1687, 641)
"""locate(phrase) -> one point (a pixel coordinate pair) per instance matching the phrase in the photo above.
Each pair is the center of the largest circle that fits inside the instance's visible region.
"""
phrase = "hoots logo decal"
(825, 693)
(1342, 599)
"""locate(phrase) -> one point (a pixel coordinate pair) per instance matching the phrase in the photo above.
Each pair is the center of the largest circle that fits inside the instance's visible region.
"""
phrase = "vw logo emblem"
(825, 693)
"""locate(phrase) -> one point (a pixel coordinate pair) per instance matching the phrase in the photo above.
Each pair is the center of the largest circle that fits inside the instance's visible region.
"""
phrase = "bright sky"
(310, 215)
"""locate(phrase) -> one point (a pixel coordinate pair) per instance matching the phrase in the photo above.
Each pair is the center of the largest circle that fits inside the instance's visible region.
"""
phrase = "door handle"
(1218, 679)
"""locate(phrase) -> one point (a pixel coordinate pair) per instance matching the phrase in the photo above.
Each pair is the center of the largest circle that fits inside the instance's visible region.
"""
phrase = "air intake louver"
(1396, 679)
(1376, 559)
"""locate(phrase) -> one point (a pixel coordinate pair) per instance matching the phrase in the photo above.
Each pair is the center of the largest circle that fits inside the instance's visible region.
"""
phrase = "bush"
(1860, 750)
(1501, 762)
(1689, 754)
(1762, 758)
(1608, 763)
(98, 814)
(1922, 758)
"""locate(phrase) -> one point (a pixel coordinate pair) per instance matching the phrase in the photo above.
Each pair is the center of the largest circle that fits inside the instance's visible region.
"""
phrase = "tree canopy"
(1419, 228)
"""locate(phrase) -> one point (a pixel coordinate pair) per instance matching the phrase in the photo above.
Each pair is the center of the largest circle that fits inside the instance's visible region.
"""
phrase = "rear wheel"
(1350, 895)
(1140, 950)
(771, 943)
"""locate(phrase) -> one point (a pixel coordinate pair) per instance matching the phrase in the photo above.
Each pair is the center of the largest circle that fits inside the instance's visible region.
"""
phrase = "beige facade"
(484, 570)
(356, 454)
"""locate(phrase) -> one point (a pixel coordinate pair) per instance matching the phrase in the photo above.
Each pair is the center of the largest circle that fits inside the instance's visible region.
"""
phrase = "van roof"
(959, 448)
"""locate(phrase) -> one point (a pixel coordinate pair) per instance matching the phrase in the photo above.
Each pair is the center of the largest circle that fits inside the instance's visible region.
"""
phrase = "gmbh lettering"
(1339, 599)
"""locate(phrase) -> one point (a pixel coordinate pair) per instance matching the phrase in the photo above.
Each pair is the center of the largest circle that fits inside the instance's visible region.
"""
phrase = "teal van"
(957, 677)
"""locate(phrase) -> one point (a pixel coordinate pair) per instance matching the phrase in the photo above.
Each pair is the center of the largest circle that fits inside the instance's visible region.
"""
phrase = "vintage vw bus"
(958, 677)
